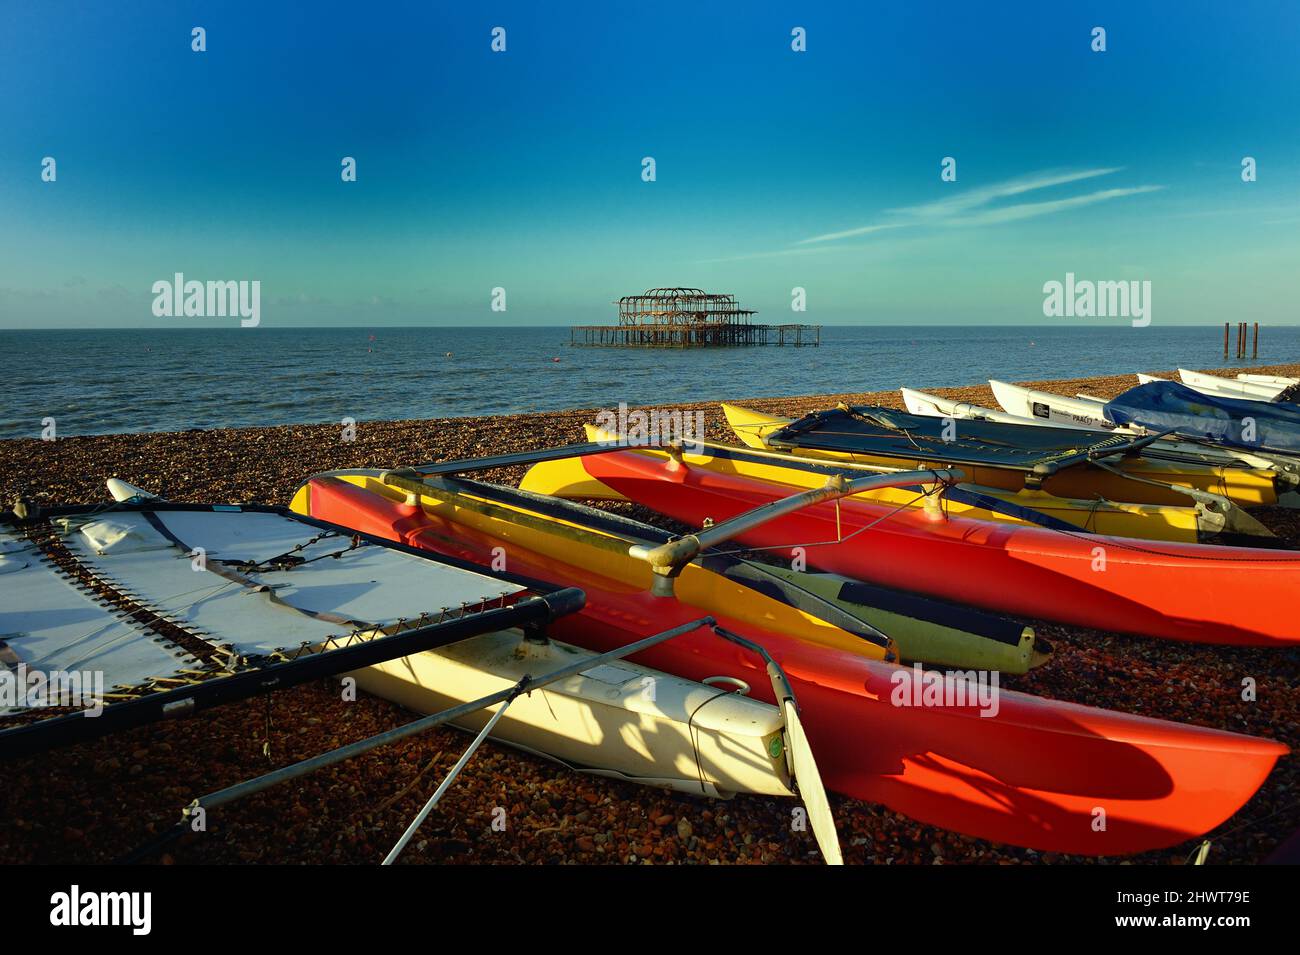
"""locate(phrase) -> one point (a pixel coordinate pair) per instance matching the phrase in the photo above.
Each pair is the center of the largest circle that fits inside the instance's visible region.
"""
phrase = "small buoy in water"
(555, 359)
(447, 355)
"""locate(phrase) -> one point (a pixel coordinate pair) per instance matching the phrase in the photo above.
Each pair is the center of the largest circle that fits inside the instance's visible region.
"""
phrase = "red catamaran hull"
(1034, 774)
(1195, 592)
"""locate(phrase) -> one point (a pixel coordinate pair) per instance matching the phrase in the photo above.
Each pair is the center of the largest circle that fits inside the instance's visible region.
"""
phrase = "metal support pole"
(284, 774)
(667, 560)
(445, 784)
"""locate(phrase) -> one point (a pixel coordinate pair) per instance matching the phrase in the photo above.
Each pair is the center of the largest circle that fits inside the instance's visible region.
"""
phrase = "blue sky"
(522, 169)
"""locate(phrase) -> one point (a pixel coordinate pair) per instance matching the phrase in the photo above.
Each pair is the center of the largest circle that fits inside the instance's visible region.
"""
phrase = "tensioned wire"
(842, 538)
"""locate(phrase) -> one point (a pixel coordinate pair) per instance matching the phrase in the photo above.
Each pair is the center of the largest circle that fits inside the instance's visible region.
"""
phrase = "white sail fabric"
(61, 628)
(186, 578)
(182, 566)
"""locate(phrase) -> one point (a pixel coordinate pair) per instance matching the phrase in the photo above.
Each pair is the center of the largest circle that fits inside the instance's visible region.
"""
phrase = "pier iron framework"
(688, 318)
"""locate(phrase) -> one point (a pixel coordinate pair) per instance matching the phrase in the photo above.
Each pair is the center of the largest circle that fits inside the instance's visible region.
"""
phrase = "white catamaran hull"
(924, 403)
(1046, 408)
(1217, 387)
(1281, 380)
(1059, 411)
(616, 719)
(1228, 387)
(1063, 413)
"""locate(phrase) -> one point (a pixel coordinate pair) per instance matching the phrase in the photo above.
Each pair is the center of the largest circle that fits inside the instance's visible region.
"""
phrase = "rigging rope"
(842, 538)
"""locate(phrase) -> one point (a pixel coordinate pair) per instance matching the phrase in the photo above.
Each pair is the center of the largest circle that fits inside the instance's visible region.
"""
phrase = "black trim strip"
(76, 727)
(919, 607)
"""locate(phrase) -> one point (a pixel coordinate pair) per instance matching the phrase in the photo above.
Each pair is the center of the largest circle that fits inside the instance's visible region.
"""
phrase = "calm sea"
(146, 380)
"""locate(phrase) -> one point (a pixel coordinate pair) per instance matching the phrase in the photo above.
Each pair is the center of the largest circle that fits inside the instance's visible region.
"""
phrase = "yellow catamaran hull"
(584, 554)
(602, 556)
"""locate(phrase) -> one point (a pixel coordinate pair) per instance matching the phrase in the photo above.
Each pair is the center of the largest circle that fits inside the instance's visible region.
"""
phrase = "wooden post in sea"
(1255, 347)
(1225, 341)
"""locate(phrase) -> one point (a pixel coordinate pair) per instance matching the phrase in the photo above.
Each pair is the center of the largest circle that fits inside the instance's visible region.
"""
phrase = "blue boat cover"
(1235, 422)
(885, 432)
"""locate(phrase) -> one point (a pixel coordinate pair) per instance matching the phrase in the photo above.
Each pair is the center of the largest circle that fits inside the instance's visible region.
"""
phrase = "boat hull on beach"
(1214, 520)
(1081, 413)
(1195, 422)
(1157, 481)
(1230, 387)
(1051, 409)
(1153, 589)
(685, 735)
(1029, 772)
(1281, 381)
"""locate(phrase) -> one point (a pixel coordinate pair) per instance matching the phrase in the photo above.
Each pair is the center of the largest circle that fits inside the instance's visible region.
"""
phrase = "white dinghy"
(1058, 411)
(1217, 387)
(924, 403)
(1282, 380)
(1047, 408)
(1230, 387)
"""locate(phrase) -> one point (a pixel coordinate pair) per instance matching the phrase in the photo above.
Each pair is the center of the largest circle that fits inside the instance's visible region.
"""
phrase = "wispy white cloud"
(849, 233)
(1030, 210)
(972, 206)
(973, 198)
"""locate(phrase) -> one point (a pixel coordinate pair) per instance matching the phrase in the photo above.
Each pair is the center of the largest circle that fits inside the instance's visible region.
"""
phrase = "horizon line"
(215, 328)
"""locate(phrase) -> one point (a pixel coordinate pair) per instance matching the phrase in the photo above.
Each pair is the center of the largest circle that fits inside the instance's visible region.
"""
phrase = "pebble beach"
(96, 802)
